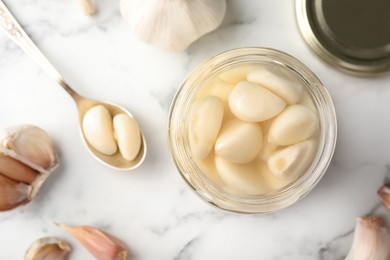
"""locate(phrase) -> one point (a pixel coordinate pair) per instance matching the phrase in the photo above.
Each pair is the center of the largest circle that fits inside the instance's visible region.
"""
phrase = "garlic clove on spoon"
(48, 248)
(172, 25)
(371, 240)
(27, 158)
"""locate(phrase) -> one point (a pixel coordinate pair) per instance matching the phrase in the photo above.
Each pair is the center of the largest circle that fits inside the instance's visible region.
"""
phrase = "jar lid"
(352, 35)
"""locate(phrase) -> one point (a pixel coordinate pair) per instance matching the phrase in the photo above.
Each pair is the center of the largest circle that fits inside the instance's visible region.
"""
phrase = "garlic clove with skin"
(33, 145)
(100, 244)
(48, 248)
(371, 240)
(384, 194)
(27, 158)
(172, 25)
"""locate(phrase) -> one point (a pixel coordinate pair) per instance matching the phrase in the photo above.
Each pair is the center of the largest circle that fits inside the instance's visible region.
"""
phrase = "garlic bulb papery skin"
(172, 25)
(27, 158)
(371, 240)
(48, 248)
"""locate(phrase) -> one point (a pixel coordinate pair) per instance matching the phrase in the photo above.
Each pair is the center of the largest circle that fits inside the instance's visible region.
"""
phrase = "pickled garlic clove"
(48, 248)
(33, 146)
(237, 74)
(289, 163)
(241, 179)
(275, 184)
(98, 130)
(238, 141)
(295, 124)
(253, 103)
(205, 123)
(13, 194)
(278, 82)
(128, 136)
(17, 170)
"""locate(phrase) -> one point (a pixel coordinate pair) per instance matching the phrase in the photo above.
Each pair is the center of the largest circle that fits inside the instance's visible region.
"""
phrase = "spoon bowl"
(12, 28)
(116, 160)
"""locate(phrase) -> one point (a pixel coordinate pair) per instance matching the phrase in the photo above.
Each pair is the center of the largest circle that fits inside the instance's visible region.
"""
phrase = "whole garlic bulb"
(27, 158)
(172, 25)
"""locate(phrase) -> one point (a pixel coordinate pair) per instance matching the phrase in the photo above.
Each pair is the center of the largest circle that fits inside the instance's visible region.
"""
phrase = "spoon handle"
(14, 31)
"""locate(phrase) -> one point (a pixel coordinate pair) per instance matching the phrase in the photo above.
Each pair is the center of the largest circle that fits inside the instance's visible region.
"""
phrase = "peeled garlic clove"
(275, 184)
(384, 194)
(238, 141)
(295, 124)
(16, 170)
(98, 130)
(172, 25)
(291, 162)
(278, 82)
(100, 244)
(241, 179)
(371, 240)
(13, 194)
(237, 74)
(48, 248)
(205, 123)
(128, 136)
(253, 103)
(33, 146)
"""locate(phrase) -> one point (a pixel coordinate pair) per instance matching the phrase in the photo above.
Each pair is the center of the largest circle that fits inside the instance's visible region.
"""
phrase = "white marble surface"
(151, 208)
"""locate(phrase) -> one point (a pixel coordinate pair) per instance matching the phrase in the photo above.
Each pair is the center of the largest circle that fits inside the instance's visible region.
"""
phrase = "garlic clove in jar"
(172, 25)
(253, 103)
(205, 123)
(278, 82)
(239, 141)
(295, 124)
(290, 162)
(27, 158)
(240, 179)
(48, 248)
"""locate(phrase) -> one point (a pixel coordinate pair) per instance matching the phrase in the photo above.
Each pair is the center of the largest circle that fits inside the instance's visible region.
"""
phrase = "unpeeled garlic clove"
(16, 170)
(48, 248)
(100, 244)
(371, 240)
(384, 194)
(27, 158)
(172, 25)
(33, 146)
(13, 194)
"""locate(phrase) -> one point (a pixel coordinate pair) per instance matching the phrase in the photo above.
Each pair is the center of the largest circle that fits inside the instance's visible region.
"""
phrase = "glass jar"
(206, 188)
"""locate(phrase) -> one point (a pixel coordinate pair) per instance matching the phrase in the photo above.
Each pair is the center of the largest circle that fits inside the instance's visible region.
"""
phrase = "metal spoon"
(12, 28)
